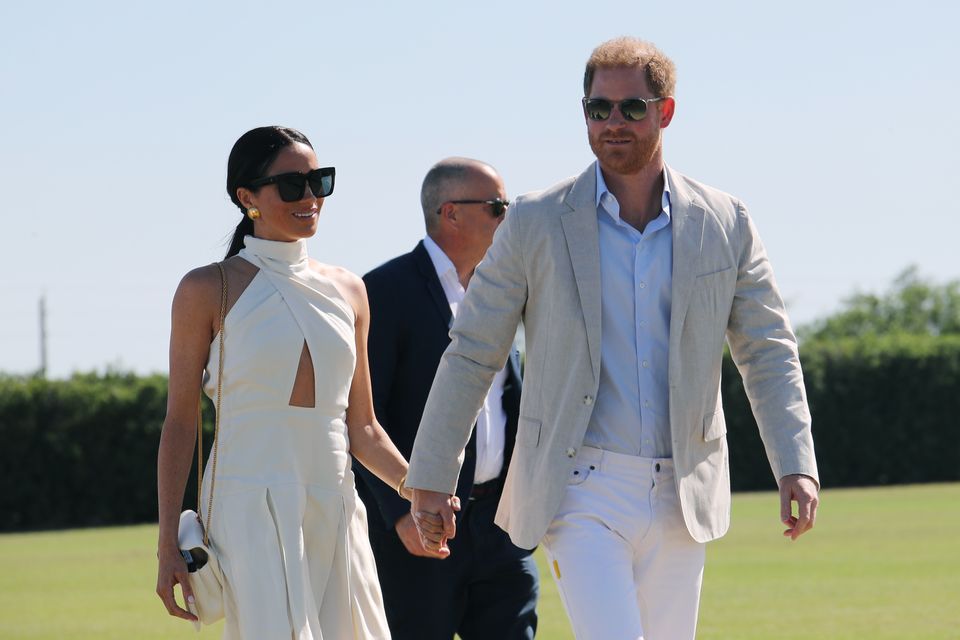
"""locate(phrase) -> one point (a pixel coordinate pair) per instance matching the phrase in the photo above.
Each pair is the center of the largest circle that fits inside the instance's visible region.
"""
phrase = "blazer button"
(588, 400)
(571, 452)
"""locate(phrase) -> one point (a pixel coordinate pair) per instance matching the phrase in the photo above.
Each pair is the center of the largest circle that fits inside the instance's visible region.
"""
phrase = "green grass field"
(882, 563)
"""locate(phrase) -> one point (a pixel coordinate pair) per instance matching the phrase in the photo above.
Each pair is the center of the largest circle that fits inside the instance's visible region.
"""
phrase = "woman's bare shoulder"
(202, 287)
(200, 281)
(197, 296)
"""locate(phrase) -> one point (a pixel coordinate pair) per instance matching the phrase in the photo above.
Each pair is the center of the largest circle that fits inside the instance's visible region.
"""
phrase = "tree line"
(882, 378)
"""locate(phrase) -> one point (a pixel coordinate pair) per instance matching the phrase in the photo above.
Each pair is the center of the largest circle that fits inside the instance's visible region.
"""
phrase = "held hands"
(433, 515)
(173, 570)
(804, 491)
(410, 537)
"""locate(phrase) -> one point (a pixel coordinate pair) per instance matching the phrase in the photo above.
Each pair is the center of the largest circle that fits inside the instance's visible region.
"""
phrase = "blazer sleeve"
(383, 348)
(764, 349)
(481, 339)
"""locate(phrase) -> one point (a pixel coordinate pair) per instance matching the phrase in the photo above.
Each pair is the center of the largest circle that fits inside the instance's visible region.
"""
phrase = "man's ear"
(448, 211)
(667, 106)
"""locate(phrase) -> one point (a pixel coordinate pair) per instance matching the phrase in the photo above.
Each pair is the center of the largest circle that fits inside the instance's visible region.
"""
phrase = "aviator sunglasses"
(290, 185)
(633, 109)
(497, 205)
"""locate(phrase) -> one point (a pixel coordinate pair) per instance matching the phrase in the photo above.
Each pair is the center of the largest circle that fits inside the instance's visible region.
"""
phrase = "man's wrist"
(801, 475)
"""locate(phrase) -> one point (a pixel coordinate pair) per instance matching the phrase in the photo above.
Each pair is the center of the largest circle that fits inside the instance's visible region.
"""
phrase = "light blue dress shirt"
(632, 413)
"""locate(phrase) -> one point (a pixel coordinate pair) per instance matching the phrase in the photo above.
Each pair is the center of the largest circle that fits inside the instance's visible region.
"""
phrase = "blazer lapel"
(583, 244)
(687, 214)
(429, 273)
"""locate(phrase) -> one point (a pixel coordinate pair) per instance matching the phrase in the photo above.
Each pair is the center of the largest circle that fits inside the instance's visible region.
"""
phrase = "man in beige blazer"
(628, 279)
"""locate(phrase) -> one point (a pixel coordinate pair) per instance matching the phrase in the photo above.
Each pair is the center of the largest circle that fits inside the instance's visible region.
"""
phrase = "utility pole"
(43, 336)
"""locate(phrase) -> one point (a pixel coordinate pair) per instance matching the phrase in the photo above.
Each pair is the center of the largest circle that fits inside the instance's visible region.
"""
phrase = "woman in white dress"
(287, 527)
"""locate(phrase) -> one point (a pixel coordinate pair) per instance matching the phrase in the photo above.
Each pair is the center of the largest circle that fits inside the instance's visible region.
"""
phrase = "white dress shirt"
(632, 414)
(492, 421)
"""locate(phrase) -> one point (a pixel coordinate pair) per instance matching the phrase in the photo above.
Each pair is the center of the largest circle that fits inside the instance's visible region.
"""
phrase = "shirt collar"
(608, 201)
(442, 264)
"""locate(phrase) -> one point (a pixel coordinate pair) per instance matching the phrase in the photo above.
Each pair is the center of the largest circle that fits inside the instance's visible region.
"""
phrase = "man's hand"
(803, 490)
(410, 537)
(433, 515)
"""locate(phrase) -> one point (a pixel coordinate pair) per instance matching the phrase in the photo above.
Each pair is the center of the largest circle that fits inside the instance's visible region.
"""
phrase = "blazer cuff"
(815, 479)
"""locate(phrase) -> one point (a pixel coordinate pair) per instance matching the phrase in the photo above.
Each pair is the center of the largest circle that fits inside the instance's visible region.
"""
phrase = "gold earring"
(253, 213)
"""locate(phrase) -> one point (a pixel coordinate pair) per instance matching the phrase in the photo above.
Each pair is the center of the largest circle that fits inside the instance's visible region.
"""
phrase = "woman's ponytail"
(244, 228)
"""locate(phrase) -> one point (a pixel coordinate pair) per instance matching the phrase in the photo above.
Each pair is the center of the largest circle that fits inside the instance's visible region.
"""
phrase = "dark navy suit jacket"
(409, 330)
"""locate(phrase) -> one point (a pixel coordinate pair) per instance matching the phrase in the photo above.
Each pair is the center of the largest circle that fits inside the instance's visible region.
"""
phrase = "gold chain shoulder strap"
(216, 418)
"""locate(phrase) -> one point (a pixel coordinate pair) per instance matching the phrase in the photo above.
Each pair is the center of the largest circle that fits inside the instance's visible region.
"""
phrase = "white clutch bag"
(206, 579)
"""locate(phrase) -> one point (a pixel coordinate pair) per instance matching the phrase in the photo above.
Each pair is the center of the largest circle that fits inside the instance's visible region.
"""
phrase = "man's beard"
(627, 161)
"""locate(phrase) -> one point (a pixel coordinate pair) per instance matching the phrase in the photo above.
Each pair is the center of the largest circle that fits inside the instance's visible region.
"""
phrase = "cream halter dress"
(288, 528)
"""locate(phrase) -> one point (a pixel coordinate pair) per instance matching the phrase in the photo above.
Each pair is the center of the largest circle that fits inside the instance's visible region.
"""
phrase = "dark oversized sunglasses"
(633, 109)
(290, 185)
(498, 205)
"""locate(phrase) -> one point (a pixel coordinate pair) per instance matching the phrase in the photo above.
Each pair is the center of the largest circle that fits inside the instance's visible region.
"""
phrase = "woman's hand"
(173, 570)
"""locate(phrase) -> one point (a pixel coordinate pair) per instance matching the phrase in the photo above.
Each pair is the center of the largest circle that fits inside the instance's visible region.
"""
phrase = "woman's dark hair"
(250, 158)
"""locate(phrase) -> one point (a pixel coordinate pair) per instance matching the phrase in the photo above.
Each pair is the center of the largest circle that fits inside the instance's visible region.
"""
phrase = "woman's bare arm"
(195, 312)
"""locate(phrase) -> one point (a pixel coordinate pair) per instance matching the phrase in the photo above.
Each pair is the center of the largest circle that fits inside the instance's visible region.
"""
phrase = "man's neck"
(639, 195)
(466, 265)
(463, 261)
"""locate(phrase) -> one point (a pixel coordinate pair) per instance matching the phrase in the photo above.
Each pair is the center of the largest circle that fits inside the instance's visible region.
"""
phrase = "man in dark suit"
(487, 587)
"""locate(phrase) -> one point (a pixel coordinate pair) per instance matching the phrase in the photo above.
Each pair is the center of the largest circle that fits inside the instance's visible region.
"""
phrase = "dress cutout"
(289, 530)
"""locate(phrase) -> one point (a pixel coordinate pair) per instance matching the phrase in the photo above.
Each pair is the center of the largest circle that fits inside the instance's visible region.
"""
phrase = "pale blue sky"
(836, 122)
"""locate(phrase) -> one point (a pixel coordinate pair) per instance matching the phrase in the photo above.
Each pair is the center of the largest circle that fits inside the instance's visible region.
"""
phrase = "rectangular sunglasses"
(290, 185)
(633, 109)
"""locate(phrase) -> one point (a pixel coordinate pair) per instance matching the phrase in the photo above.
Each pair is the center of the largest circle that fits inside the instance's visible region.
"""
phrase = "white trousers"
(622, 558)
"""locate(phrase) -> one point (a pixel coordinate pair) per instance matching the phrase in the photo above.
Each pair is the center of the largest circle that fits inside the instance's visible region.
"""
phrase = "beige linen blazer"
(544, 268)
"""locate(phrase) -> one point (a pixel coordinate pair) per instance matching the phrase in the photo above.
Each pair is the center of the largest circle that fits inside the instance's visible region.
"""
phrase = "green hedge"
(82, 451)
(886, 410)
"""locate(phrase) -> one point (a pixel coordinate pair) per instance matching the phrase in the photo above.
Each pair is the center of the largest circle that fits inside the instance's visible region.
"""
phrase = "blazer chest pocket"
(714, 426)
(716, 284)
(528, 432)
(711, 301)
(710, 275)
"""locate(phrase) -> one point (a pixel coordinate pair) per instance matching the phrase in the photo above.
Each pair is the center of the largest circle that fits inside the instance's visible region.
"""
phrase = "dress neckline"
(290, 254)
(283, 261)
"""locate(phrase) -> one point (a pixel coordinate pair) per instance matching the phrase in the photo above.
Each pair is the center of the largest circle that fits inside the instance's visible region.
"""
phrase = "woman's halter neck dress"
(289, 530)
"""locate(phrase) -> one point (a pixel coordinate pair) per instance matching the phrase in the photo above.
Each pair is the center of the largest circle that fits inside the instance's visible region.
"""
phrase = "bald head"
(448, 180)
